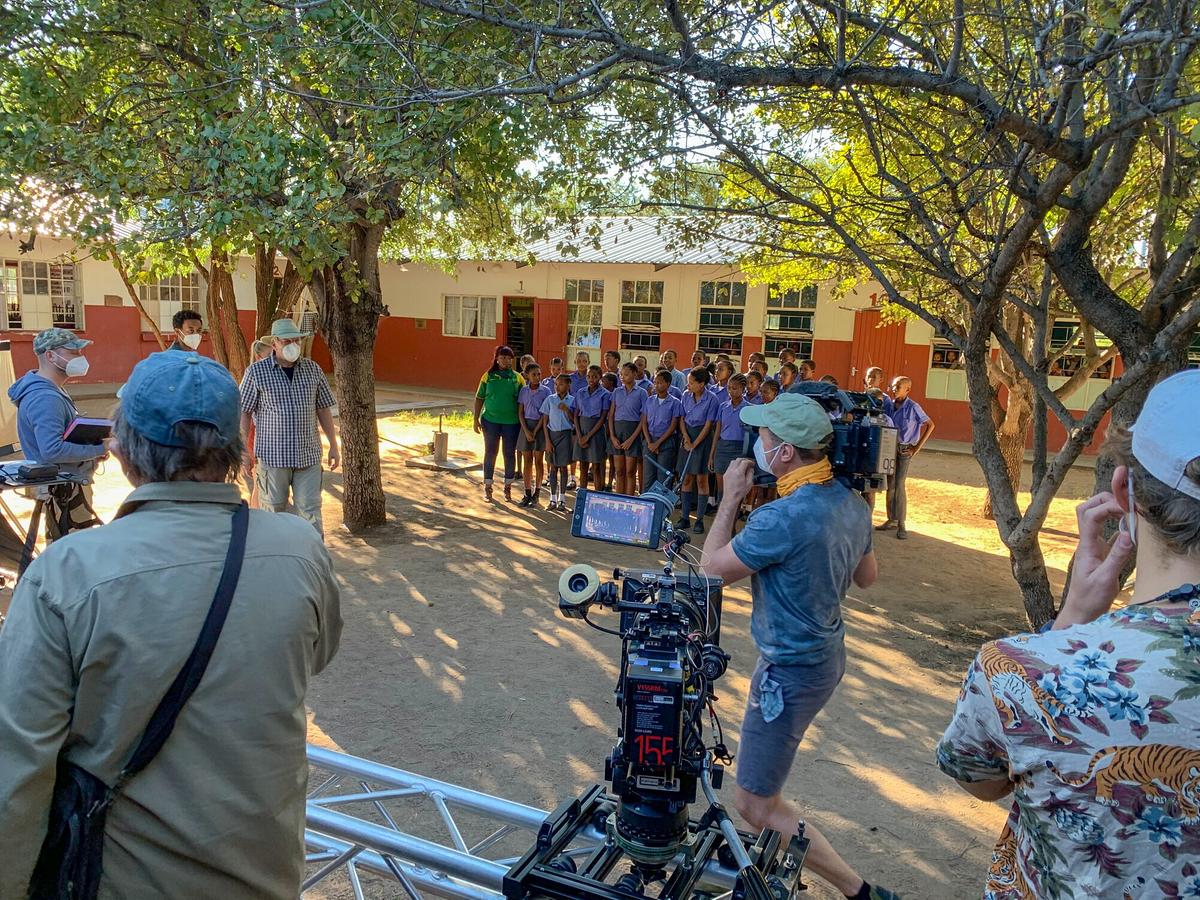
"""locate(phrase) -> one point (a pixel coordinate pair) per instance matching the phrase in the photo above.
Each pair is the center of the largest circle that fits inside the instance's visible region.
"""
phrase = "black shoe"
(698, 528)
(885, 526)
(901, 533)
(684, 522)
(571, 485)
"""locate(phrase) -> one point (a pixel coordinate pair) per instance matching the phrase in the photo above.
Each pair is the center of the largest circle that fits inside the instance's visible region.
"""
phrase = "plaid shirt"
(285, 412)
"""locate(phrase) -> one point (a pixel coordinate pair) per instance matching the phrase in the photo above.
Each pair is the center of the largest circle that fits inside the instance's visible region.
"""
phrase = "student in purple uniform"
(532, 442)
(764, 482)
(579, 377)
(558, 422)
(612, 362)
(624, 428)
(660, 428)
(720, 386)
(699, 415)
(788, 373)
(591, 446)
(644, 381)
(731, 432)
(675, 392)
(760, 366)
(609, 382)
(754, 388)
(556, 369)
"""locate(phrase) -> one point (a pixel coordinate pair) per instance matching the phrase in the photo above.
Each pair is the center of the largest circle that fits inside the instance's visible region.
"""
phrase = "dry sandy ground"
(455, 664)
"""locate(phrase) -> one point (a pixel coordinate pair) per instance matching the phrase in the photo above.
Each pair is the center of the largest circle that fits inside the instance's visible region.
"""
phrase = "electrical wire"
(601, 627)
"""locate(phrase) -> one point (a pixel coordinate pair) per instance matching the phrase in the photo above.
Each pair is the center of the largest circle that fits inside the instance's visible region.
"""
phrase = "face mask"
(73, 368)
(191, 341)
(291, 352)
(760, 455)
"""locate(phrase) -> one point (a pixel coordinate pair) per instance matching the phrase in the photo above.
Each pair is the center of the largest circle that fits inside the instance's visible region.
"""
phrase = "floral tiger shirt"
(1098, 728)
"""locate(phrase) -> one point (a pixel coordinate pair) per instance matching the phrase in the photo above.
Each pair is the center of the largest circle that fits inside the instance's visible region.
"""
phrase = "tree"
(954, 152)
(209, 121)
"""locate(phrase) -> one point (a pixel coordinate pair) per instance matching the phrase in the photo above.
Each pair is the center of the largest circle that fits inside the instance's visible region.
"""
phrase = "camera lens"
(578, 582)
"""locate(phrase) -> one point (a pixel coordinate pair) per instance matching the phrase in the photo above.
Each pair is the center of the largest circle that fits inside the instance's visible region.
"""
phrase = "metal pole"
(435, 883)
(509, 811)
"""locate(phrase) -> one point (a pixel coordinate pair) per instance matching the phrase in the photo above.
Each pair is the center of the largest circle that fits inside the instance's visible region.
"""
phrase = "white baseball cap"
(1166, 436)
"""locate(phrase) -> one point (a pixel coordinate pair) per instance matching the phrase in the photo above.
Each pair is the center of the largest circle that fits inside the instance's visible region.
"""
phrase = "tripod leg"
(35, 519)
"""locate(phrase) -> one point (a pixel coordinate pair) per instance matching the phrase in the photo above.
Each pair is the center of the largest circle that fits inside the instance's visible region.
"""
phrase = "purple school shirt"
(721, 393)
(629, 403)
(592, 404)
(675, 392)
(730, 419)
(697, 412)
(754, 399)
(531, 400)
(646, 384)
(578, 382)
(660, 414)
(909, 417)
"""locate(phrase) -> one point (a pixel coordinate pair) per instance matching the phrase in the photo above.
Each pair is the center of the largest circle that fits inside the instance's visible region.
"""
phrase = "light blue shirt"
(803, 549)
(679, 379)
(556, 419)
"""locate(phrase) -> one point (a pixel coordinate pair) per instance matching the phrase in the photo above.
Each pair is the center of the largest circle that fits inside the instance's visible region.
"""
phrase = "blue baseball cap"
(170, 387)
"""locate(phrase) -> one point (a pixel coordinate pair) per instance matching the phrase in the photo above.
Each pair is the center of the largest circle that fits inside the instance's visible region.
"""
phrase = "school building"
(639, 291)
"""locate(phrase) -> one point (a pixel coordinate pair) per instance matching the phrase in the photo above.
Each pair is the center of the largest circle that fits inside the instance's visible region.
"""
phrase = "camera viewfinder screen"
(618, 519)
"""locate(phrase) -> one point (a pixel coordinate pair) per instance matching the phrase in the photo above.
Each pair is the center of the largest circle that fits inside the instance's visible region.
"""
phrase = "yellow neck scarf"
(816, 473)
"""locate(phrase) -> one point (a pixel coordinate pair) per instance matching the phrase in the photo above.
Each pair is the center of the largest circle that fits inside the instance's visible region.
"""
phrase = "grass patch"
(452, 419)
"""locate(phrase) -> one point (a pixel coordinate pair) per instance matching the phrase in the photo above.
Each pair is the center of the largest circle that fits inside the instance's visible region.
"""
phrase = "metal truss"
(351, 827)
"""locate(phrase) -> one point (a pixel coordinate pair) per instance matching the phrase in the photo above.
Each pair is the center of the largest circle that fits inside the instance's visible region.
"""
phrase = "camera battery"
(653, 725)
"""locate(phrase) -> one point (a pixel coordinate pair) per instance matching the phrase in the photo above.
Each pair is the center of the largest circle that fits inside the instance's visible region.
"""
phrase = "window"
(469, 316)
(789, 324)
(51, 288)
(170, 294)
(722, 314)
(945, 355)
(11, 294)
(1063, 332)
(641, 315)
(585, 309)
(1194, 352)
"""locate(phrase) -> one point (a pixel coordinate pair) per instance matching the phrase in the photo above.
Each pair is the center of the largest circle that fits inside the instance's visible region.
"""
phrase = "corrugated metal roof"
(656, 240)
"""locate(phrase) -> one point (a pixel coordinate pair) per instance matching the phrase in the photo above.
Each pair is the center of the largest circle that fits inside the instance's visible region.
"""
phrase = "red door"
(549, 330)
(875, 346)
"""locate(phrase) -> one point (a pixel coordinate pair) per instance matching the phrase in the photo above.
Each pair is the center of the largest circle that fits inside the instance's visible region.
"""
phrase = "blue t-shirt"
(556, 419)
(803, 549)
(909, 417)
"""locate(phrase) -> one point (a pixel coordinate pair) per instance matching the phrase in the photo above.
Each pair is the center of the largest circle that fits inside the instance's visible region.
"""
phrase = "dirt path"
(455, 664)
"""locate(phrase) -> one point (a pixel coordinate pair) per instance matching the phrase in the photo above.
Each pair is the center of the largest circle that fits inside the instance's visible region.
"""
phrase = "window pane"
(470, 321)
(487, 317)
(627, 291)
(656, 292)
(643, 292)
(706, 293)
(739, 294)
(571, 289)
(451, 317)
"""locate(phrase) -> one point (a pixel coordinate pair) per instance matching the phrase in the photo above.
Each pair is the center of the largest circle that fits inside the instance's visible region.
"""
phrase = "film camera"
(863, 451)
(670, 659)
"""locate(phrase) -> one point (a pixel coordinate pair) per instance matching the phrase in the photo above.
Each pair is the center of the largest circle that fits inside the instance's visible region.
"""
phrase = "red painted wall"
(833, 358)
(405, 354)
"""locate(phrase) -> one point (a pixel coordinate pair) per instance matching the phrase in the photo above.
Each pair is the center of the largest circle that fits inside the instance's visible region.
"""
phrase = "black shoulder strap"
(163, 720)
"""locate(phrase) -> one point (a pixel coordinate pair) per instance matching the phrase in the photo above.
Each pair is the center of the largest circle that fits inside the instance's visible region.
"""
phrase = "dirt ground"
(455, 664)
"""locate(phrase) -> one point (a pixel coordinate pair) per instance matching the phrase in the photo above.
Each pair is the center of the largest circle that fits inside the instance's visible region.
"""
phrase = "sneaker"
(698, 528)
(527, 500)
(878, 893)
(546, 483)
(571, 485)
(487, 492)
(684, 522)
(886, 526)
(901, 533)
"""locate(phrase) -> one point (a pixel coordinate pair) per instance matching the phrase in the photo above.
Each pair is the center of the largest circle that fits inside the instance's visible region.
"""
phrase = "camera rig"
(863, 451)
(670, 660)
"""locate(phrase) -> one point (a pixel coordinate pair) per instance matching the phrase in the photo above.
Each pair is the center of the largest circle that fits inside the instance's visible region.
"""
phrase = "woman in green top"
(496, 415)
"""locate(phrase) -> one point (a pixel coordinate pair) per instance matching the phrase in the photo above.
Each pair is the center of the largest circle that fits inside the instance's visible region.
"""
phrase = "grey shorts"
(767, 749)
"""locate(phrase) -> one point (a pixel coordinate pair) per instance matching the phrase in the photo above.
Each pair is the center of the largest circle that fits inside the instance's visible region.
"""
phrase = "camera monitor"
(618, 519)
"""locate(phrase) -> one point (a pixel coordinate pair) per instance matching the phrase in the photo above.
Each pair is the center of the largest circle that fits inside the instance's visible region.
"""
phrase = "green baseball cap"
(793, 418)
(55, 338)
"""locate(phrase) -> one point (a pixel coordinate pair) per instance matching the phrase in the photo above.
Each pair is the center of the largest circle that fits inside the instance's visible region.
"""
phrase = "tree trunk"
(1011, 434)
(119, 265)
(350, 304)
(229, 344)
(1029, 570)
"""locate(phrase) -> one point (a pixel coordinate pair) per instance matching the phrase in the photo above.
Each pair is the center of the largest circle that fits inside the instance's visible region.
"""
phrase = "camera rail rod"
(372, 841)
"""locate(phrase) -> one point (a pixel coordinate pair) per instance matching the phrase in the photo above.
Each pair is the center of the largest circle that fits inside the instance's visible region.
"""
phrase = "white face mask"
(76, 367)
(760, 455)
(191, 341)
(291, 352)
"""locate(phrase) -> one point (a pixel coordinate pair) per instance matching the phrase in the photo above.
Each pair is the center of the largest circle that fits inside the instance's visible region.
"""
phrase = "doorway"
(518, 321)
(875, 345)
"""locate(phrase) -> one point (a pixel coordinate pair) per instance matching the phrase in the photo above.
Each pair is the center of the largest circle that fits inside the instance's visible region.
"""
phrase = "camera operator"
(802, 551)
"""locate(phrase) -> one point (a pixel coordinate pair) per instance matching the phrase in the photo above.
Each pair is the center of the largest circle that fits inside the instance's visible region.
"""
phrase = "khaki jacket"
(100, 624)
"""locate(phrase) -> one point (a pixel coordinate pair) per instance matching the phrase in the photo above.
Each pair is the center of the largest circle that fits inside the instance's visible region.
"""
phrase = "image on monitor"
(624, 520)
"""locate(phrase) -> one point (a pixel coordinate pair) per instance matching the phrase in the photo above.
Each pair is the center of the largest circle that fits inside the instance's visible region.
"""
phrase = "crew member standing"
(102, 623)
(44, 412)
(284, 396)
(189, 330)
(817, 534)
(913, 428)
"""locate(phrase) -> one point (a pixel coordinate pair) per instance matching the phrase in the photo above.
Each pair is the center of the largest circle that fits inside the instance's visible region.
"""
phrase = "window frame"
(642, 337)
(1068, 363)
(726, 299)
(593, 304)
(176, 287)
(55, 300)
(479, 304)
(789, 308)
(940, 345)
